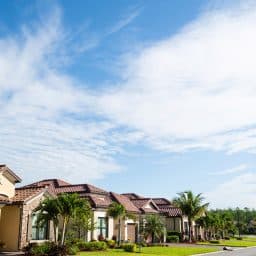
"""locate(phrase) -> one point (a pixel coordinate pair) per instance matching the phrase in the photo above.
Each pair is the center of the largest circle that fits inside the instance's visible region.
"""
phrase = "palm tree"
(117, 211)
(61, 210)
(192, 206)
(68, 205)
(154, 226)
(48, 211)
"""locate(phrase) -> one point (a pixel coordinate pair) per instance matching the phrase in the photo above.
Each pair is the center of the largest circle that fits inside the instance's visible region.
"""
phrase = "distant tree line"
(221, 223)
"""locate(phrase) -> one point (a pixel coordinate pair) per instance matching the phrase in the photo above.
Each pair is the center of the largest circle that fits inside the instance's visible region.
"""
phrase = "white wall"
(6, 186)
(95, 233)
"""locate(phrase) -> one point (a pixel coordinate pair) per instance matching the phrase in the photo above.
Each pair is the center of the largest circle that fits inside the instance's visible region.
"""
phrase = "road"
(236, 252)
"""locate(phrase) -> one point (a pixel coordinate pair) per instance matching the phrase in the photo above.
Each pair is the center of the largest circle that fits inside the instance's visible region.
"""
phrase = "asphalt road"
(236, 252)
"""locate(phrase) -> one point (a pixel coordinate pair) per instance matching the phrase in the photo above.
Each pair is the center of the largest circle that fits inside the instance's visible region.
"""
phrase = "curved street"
(236, 252)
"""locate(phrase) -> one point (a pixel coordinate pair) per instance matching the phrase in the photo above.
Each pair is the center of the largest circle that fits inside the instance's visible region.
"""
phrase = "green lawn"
(154, 251)
(246, 242)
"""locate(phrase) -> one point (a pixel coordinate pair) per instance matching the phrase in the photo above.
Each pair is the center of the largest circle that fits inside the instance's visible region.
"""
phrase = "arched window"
(38, 232)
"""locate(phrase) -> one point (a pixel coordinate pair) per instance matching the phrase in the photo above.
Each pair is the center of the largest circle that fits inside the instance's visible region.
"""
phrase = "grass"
(246, 242)
(154, 251)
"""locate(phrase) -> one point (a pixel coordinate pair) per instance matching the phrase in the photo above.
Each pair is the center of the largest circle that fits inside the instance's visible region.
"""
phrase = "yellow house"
(17, 216)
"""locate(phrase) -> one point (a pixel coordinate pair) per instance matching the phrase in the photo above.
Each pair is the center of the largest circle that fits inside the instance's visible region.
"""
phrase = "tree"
(192, 206)
(118, 212)
(83, 220)
(48, 211)
(68, 205)
(154, 226)
(61, 210)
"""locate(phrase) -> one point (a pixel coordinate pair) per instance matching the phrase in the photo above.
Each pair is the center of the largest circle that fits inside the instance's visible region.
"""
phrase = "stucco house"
(18, 211)
(138, 206)
(17, 216)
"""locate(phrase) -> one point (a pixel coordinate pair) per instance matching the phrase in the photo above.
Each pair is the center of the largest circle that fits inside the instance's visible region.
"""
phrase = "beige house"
(18, 211)
(17, 218)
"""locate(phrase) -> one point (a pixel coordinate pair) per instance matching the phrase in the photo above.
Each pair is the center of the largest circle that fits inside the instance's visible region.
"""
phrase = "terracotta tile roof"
(24, 194)
(132, 195)
(171, 211)
(142, 205)
(59, 186)
(80, 188)
(71, 189)
(161, 201)
(93, 189)
(99, 197)
(139, 203)
(49, 182)
(99, 200)
(126, 202)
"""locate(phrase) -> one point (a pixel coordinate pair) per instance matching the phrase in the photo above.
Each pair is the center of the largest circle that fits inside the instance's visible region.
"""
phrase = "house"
(134, 204)
(172, 216)
(18, 211)
(17, 216)
(99, 200)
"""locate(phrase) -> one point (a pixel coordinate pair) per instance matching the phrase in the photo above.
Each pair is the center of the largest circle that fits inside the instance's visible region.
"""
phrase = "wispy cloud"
(236, 192)
(124, 21)
(44, 129)
(232, 170)
(193, 90)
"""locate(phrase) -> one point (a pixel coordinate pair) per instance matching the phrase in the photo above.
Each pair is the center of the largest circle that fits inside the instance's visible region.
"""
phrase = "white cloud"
(236, 192)
(193, 90)
(236, 169)
(196, 89)
(45, 131)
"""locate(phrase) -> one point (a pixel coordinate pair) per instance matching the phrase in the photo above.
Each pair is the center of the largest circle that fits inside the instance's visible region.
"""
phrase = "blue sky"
(143, 96)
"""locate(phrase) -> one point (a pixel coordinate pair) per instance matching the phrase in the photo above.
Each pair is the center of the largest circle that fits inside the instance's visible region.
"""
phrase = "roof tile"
(126, 202)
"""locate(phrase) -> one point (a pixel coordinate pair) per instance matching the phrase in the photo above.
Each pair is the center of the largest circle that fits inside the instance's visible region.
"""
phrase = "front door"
(131, 233)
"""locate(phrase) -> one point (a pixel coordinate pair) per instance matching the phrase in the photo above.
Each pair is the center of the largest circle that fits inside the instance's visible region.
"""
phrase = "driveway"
(236, 252)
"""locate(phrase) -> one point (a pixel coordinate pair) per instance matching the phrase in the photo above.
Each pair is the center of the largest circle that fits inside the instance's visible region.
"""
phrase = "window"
(102, 226)
(38, 233)
(186, 227)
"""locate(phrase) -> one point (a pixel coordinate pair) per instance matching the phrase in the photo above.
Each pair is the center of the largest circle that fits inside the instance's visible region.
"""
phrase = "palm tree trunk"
(182, 228)
(153, 237)
(63, 230)
(190, 230)
(119, 231)
(54, 233)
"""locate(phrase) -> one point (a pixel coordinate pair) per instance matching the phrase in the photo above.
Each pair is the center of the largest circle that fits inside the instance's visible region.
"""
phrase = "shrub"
(142, 244)
(226, 238)
(92, 246)
(172, 239)
(42, 249)
(72, 250)
(175, 233)
(111, 243)
(129, 247)
(48, 249)
(239, 238)
(214, 241)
